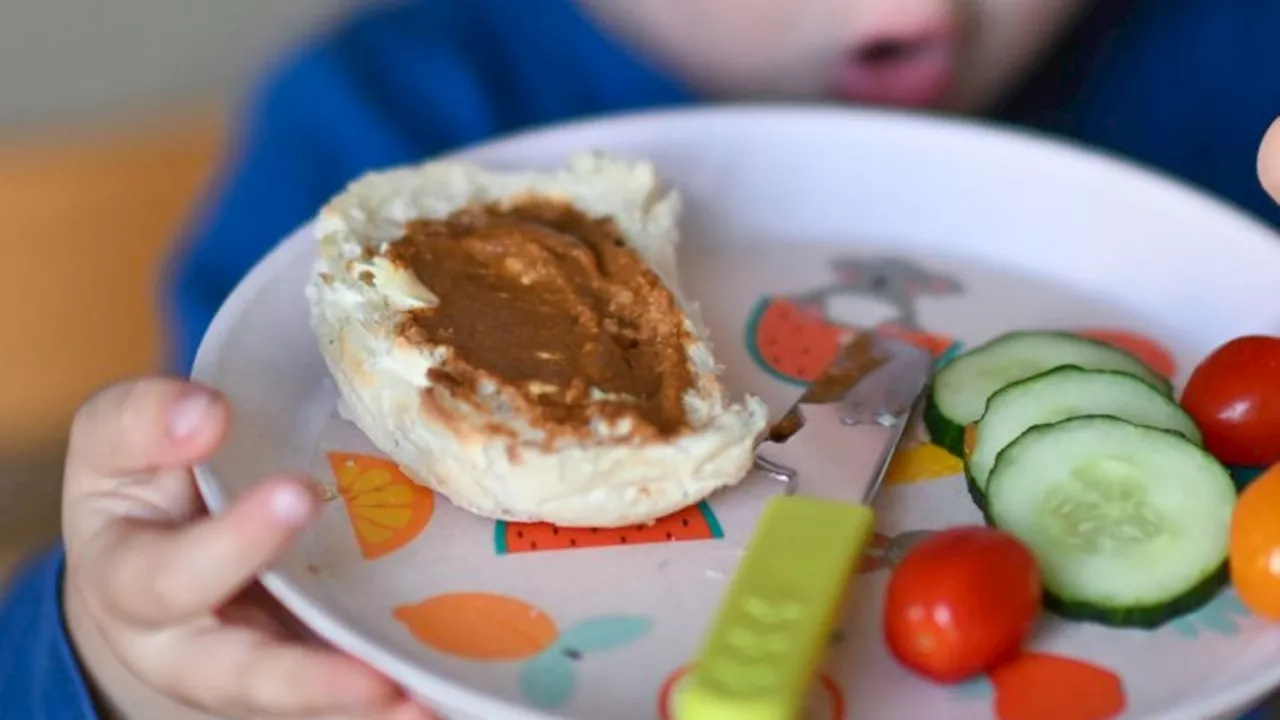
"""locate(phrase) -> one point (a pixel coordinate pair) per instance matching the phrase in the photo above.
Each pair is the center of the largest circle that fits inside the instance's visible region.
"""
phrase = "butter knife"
(832, 449)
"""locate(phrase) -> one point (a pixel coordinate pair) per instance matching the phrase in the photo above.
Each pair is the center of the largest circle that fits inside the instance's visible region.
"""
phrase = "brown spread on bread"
(554, 307)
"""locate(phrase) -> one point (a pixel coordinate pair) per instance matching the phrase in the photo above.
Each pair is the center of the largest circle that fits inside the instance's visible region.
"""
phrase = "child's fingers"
(241, 673)
(154, 575)
(256, 607)
(142, 425)
(1269, 161)
(407, 710)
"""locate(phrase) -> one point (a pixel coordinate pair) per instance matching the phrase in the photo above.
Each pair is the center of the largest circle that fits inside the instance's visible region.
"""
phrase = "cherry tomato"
(1234, 396)
(962, 601)
(1254, 549)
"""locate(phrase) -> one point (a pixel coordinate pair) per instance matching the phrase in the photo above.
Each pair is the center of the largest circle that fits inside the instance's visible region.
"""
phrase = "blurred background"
(112, 118)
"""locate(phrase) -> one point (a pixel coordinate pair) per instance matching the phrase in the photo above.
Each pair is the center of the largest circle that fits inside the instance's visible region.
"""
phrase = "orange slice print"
(1038, 686)
(479, 626)
(386, 508)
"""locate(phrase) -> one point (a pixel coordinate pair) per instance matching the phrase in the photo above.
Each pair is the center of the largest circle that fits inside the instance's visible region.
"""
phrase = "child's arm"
(39, 674)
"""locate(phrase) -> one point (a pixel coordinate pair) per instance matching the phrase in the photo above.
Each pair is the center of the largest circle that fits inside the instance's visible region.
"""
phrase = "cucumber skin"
(1147, 618)
(950, 437)
(944, 433)
(978, 498)
(976, 493)
(1162, 384)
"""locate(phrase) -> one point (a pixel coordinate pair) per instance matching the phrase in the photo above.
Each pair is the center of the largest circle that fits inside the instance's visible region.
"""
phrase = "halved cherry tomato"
(1254, 549)
(962, 601)
(1234, 396)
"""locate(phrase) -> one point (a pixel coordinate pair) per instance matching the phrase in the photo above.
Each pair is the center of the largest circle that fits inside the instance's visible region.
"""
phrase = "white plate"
(956, 230)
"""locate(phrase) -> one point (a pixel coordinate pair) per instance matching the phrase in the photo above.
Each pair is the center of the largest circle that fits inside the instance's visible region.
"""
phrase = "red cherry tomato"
(1234, 396)
(961, 601)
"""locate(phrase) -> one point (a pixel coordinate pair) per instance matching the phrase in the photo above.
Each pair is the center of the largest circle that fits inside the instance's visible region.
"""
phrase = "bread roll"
(406, 356)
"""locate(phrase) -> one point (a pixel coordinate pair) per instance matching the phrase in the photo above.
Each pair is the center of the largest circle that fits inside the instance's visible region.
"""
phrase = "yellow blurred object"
(88, 219)
(922, 462)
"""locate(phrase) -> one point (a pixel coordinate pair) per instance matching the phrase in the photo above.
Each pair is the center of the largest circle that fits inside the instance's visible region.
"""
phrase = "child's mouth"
(912, 72)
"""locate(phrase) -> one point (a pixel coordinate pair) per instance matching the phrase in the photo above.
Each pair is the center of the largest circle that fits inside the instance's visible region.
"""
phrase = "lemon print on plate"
(386, 508)
(919, 459)
(487, 627)
(918, 463)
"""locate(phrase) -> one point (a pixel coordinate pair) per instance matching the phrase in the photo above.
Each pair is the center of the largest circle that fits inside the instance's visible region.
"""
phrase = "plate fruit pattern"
(920, 461)
(1043, 686)
(794, 337)
(692, 523)
(486, 627)
(793, 341)
(1156, 356)
(1223, 616)
(387, 510)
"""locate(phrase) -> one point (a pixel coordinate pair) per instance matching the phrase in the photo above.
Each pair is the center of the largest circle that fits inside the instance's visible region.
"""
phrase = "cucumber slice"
(1128, 524)
(960, 390)
(1062, 393)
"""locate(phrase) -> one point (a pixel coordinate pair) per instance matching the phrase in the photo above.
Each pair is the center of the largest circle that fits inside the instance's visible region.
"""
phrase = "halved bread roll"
(484, 335)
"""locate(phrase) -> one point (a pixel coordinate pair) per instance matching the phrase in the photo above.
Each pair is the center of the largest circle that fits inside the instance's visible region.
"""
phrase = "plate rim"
(343, 635)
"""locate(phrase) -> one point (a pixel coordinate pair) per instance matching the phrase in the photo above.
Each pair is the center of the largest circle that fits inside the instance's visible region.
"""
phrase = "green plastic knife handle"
(775, 621)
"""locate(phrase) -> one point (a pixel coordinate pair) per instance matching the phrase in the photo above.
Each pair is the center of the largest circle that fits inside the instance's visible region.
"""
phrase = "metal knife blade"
(836, 442)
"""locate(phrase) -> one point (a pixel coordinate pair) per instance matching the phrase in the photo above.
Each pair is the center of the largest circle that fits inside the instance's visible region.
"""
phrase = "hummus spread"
(550, 307)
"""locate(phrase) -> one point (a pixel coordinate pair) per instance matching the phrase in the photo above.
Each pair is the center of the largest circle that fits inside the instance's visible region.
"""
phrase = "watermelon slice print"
(693, 523)
(793, 341)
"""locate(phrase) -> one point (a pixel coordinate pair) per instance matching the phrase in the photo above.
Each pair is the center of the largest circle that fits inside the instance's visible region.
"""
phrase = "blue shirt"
(1185, 85)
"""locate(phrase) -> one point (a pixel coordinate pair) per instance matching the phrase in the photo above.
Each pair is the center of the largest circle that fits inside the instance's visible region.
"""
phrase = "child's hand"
(1269, 161)
(172, 593)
